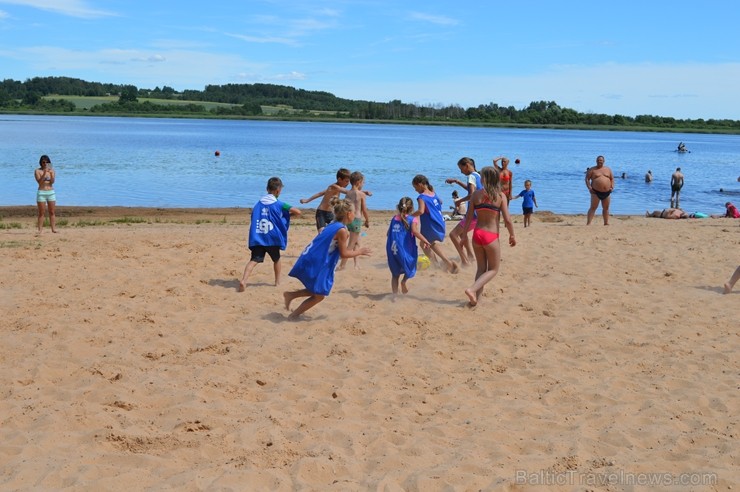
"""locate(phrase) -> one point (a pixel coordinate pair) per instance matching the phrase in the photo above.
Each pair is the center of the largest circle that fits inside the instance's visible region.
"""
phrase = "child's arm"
(457, 182)
(416, 231)
(314, 197)
(294, 212)
(363, 209)
(342, 237)
(422, 208)
(534, 199)
(470, 212)
(507, 219)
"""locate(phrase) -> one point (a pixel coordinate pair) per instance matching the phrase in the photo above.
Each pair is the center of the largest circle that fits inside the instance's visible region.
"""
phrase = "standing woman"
(45, 196)
(506, 177)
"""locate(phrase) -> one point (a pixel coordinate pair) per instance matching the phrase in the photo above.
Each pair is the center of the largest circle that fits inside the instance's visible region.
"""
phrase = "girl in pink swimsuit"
(490, 204)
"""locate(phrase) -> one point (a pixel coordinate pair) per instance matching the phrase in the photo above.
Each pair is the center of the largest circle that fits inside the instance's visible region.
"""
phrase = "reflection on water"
(172, 162)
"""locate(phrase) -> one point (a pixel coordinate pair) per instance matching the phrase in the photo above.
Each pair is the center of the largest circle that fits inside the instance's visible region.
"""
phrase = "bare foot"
(288, 297)
(404, 289)
(454, 268)
(471, 295)
(728, 289)
(242, 286)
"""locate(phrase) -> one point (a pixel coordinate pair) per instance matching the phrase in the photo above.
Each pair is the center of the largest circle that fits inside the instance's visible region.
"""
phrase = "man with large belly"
(600, 183)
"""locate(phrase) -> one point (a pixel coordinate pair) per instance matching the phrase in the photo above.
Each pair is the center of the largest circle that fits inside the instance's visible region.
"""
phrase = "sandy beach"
(601, 358)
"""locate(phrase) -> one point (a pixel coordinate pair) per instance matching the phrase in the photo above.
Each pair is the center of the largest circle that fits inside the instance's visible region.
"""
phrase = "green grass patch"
(11, 225)
(130, 220)
(19, 244)
(87, 102)
(89, 223)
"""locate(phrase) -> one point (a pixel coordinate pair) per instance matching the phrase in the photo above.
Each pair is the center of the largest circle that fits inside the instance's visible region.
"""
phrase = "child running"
(432, 222)
(490, 203)
(530, 201)
(315, 267)
(459, 235)
(358, 199)
(324, 215)
(268, 232)
(401, 244)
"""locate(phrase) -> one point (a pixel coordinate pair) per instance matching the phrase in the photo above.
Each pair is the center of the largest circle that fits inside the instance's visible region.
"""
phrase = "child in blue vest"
(268, 232)
(315, 267)
(432, 223)
(401, 246)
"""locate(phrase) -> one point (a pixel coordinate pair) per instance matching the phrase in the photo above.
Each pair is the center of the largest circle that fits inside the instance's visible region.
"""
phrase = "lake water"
(171, 162)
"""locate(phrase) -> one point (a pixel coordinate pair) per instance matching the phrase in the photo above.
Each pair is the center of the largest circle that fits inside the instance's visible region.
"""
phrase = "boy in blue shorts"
(529, 202)
(268, 232)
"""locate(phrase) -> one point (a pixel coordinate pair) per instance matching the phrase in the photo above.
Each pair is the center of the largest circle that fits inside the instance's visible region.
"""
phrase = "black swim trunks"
(603, 195)
(323, 218)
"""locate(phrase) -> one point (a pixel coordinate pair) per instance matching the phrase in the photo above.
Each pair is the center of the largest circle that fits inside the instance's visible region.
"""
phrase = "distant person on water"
(676, 185)
(45, 195)
(600, 183)
(649, 176)
(681, 147)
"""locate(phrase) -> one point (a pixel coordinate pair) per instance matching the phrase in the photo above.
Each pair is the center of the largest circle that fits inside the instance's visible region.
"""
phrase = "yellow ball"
(423, 262)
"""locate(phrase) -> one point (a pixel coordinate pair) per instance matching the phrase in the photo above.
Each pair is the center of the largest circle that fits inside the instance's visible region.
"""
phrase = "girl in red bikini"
(506, 177)
(489, 203)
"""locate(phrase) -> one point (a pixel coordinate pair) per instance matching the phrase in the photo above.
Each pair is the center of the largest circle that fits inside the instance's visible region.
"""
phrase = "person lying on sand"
(668, 213)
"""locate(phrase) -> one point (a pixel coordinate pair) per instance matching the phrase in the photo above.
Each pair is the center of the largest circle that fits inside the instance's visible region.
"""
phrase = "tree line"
(38, 94)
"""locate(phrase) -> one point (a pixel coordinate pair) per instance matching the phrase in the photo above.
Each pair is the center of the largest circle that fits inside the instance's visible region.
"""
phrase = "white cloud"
(264, 39)
(72, 8)
(433, 19)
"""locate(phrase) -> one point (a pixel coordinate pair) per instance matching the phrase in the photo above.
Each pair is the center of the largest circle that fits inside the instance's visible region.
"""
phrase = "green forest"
(53, 95)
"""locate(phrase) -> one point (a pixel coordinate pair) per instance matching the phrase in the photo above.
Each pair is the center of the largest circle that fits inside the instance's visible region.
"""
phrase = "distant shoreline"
(608, 128)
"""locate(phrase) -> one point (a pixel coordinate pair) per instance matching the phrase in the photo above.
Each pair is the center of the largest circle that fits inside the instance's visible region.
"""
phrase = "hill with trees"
(72, 96)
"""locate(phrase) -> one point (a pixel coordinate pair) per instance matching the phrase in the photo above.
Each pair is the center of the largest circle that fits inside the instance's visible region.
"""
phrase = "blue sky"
(669, 58)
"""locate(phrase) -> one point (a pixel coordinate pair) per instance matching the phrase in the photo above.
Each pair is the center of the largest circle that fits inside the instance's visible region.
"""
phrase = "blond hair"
(490, 177)
(342, 207)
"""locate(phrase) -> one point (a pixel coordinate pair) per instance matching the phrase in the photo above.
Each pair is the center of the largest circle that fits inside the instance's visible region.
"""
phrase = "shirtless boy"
(324, 212)
(600, 183)
(358, 199)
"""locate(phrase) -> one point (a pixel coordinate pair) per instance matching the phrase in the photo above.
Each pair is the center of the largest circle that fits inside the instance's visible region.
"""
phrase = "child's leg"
(526, 219)
(468, 246)
(312, 300)
(52, 215)
(41, 212)
(352, 243)
(276, 267)
(488, 259)
(404, 289)
(394, 284)
(247, 271)
(452, 267)
(729, 285)
(458, 239)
